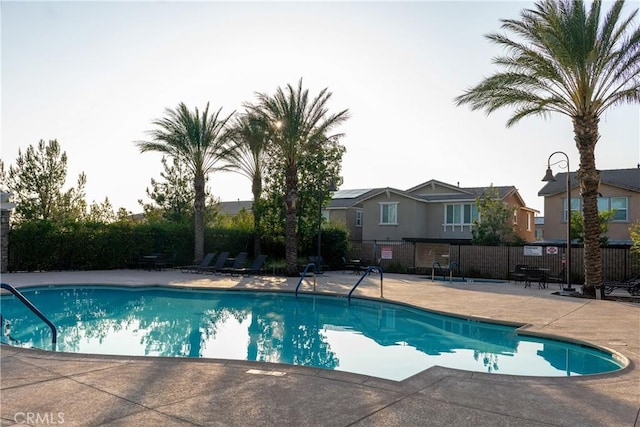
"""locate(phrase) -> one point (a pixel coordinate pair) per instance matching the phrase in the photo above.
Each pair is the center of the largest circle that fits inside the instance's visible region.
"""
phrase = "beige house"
(432, 211)
(619, 191)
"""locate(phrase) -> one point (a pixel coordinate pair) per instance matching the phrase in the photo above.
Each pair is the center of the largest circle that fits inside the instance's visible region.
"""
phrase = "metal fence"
(492, 262)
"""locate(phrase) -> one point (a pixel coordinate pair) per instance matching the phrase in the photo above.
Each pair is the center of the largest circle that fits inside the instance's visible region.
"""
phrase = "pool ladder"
(304, 274)
(34, 309)
(365, 274)
(435, 267)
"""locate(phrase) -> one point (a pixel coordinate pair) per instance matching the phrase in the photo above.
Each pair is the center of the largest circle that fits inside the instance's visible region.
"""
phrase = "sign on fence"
(533, 251)
(552, 250)
(386, 252)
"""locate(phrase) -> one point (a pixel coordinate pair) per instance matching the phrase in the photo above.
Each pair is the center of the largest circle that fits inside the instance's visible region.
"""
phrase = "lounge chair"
(631, 285)
(238, 263)
(256, 267)
(198, 268)
(219, 264)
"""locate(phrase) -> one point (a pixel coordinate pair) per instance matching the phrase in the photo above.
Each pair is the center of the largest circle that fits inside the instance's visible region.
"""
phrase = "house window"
(358, 218)
(619, 204)
(575, 207)
(462, 214)
(529, 221)
(515, 217)
(389, 213)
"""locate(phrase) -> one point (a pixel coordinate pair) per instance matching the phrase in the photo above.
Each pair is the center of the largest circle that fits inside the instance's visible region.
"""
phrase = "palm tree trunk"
(290, 236)
(256, 188)
(198, 208)
(586, 136)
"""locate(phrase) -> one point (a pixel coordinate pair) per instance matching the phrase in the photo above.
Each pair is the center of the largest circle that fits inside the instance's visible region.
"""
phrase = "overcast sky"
(93, 75)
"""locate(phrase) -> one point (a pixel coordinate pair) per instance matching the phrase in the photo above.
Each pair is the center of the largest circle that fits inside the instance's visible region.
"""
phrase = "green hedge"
(42, 245)
(47, 246)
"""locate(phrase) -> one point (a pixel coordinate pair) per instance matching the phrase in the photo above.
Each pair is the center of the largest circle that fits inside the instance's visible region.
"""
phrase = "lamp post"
(548, 177)
(332, 187)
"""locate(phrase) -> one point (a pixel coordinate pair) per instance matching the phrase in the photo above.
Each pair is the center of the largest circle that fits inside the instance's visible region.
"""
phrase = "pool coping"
(442, 395)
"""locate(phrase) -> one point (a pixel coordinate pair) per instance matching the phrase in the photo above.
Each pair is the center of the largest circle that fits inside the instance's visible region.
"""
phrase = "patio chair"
(198, 268)
(534, 274)
(219, 264)
(238, 263)
(353, 265)
(518, 274)
(558, 278)
(256, 267)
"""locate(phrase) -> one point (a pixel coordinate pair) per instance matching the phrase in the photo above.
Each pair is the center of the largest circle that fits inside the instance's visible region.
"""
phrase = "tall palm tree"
(250, 137)
(199, 141)
(573, 62)
(301, 126)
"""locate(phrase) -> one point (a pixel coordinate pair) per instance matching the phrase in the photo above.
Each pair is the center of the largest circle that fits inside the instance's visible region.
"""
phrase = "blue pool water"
(367, 337)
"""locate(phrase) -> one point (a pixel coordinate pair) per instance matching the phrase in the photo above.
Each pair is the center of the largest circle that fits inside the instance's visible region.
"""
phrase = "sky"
(94, 75)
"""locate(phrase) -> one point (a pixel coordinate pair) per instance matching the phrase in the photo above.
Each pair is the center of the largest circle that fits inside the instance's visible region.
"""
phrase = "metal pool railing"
(366, 273)
(34, 309)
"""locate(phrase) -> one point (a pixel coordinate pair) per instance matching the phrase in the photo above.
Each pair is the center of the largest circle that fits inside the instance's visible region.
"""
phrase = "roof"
(628, 179)
(468, 193)
(343, 199)
(233, 208)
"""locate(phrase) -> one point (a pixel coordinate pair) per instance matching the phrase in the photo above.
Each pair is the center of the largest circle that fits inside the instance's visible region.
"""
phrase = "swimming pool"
(368, 337)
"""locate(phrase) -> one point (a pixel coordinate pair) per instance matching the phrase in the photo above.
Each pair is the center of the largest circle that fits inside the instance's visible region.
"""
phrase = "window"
(619, 204)
(529, 221)
(460, 214)
(358, 218)
(389, 213)
(515, 217)
(576, 206)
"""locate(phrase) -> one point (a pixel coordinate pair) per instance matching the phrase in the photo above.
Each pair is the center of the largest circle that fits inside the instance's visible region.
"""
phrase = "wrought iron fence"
(493, 262)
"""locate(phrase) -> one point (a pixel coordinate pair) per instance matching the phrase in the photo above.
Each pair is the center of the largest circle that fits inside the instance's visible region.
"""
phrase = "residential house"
(619, 191)
(432, 211)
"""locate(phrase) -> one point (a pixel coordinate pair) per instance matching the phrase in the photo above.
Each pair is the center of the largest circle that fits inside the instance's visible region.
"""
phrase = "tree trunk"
(290, 235)
(586, 137)
(198, 208)
(256, 188)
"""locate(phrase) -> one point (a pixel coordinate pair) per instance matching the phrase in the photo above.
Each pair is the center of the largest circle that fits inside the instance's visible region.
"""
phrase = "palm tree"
(199, 141)
(301, 126)
(251, 136)
(573, 62)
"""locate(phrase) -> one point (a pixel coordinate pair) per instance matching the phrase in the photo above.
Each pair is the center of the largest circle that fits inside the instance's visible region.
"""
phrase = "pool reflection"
(365, 337)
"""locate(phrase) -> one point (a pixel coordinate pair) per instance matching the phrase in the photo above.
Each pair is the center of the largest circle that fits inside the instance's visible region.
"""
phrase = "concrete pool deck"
(40, 387)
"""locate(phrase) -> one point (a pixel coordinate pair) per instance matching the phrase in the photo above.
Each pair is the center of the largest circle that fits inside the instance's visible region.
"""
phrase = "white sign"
(552, 250)
(533, 251)
(386, 253)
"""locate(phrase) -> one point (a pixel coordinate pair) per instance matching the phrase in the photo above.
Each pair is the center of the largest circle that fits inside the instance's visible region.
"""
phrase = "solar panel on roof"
(350, 194)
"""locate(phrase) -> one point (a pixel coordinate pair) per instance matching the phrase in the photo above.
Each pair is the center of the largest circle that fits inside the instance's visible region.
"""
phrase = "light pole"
(332, 187)
(548, 177)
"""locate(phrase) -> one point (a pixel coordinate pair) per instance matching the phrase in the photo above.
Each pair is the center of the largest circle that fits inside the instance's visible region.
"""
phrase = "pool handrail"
(304, 274)
(366, 272)
(441, 270)
(34, 309)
